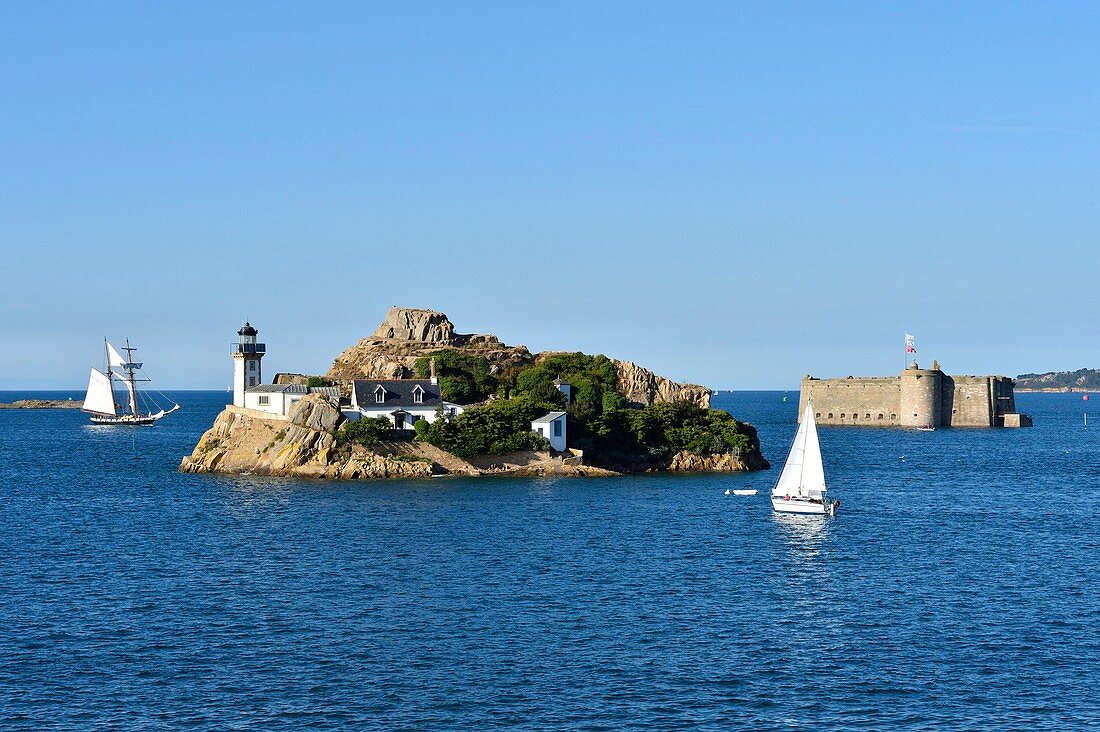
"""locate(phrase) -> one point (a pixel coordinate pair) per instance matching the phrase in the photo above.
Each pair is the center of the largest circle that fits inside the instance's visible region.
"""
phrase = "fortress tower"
(921, 391)
(247, 356)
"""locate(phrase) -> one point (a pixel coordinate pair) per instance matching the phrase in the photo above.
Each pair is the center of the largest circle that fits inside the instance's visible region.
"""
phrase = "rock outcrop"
(44, 404)
(409, 333)
(414, 324)
(644, 387)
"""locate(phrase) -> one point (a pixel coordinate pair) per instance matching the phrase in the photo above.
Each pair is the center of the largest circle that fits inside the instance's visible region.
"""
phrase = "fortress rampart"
(916, 398)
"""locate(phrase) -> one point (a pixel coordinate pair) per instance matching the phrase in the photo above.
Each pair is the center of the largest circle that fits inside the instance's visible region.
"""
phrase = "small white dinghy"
(742, 492)
(801, 485)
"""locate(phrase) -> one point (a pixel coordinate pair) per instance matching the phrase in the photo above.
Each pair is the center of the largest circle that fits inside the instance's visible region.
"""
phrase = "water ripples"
(954, 589)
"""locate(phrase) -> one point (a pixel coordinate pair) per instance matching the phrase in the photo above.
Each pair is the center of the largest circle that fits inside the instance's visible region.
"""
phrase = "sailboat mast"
(110, 373)
(130, 375)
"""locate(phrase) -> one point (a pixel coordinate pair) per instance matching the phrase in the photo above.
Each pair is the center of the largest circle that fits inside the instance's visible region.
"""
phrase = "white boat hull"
(798, 505)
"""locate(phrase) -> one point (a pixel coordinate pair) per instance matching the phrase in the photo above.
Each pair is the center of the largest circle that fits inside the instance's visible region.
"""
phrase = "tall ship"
(100, 400)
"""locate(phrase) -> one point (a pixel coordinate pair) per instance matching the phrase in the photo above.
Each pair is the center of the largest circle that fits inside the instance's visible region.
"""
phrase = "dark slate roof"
(247, 330)
(330, 391)
(399, 393)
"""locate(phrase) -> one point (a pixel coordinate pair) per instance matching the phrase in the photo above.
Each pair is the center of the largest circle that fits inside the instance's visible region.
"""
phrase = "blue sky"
(729, 193)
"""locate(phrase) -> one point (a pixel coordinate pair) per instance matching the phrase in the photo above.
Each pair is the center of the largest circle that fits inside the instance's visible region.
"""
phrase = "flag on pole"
(909, 344)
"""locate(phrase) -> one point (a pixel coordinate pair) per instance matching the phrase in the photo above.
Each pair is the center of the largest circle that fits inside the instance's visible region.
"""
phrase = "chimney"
(435, 381)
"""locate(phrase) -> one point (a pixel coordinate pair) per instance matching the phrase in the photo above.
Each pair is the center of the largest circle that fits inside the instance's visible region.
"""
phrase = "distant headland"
(1060, 381)
(417, 399)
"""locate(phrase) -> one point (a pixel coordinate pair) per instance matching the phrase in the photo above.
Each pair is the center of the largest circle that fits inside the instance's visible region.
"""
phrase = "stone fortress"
(916, 398)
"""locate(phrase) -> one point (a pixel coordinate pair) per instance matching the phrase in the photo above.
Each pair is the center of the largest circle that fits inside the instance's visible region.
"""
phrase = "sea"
(956, 588)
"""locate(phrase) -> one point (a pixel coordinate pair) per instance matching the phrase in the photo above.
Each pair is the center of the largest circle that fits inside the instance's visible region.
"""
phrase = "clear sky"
(729, 193)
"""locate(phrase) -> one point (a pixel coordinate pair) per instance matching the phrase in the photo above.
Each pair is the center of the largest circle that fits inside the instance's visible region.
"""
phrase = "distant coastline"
(1081, 380)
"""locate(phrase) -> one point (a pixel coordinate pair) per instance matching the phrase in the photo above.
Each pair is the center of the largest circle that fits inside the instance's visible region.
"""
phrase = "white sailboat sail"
(100, 398)
(133, 395)
(114, 358)
(804, 474)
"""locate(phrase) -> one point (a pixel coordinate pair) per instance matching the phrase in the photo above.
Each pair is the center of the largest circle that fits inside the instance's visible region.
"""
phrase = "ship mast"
(110, 373)
(130, 377)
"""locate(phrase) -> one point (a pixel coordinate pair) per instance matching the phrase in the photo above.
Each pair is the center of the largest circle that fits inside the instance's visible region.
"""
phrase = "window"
(379, 395)
(830, 415)
(418, 395)
(842, 415)
(818, 415)
(252, 381)
(251, 365)
(453, 411)
(264, 401)
(880, 416)
(540, 432)
(557, 428)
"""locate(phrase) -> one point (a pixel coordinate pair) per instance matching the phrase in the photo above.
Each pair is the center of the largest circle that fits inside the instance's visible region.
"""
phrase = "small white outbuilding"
(552, 426)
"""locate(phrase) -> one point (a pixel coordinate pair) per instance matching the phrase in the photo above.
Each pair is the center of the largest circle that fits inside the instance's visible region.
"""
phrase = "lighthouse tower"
(247, 355)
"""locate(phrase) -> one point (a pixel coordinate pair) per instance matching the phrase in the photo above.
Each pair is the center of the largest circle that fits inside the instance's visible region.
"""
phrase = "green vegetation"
(495, 428)
(601, 420)
(463, 378)
(662, 430)
(316, 381)
(367, 432)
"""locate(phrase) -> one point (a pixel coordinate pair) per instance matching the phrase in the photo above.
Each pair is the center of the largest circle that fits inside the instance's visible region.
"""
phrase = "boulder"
(415, 324)
(316, 412)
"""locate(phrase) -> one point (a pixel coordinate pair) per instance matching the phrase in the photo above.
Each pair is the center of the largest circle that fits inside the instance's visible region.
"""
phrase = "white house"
(279, 398)
(402, 401)
(552, 427)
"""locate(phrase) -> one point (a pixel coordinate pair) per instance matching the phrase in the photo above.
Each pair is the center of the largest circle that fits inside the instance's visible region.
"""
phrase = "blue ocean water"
(956, 588)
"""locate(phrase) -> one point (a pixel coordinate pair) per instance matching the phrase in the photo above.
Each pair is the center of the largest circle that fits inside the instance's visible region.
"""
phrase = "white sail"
(803, 474)
(133, 395)
(100, 398)
(113, 358)
(813, 469)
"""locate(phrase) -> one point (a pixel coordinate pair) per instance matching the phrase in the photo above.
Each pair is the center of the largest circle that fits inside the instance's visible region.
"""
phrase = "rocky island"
(491, 402)
(43, 404)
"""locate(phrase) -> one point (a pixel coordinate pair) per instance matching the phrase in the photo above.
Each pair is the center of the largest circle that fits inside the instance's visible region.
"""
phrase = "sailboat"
(801, 485)
(100, 400)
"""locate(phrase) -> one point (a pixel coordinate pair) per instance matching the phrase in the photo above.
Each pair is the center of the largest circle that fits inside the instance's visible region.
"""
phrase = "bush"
(495, 428)
(367, 432)
(316, 381)
(463, 378)
(667, 428)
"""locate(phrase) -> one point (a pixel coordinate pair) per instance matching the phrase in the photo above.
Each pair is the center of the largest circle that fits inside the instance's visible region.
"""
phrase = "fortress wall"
(972, 402)
(867, 401)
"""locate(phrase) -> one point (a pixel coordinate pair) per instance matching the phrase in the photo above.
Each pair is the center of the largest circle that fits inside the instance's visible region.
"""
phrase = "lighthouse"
(247, 355)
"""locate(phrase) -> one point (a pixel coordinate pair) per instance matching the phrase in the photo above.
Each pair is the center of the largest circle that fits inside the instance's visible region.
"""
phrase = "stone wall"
(867, 401)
